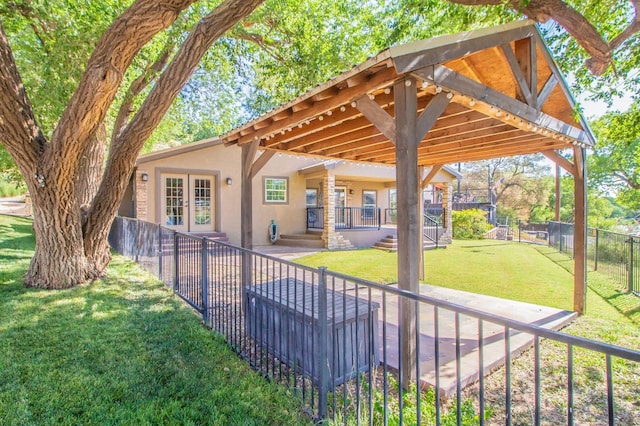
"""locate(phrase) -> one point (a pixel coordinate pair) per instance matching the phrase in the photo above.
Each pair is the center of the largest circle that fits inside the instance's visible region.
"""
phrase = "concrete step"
(308, 236)
(220, 236)
(297, 242)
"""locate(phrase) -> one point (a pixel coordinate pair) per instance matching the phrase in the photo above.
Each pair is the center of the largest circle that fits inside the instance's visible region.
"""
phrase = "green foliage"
(121, 350)
(615, 164)
(610, 17)
(470, 224)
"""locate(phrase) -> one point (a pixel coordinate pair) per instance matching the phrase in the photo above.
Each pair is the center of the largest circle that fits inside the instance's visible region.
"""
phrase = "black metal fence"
(338, 342)
(613, 254)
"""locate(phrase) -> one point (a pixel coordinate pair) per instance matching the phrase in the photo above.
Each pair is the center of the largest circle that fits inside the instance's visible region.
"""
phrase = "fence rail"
(613, 254)
(346, 217)
(337, 342)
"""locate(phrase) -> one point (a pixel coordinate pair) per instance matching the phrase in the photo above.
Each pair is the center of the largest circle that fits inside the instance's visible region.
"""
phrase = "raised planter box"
(283, 316)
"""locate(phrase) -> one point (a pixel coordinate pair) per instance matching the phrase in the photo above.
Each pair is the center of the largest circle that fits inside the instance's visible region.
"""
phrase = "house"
(196, 188)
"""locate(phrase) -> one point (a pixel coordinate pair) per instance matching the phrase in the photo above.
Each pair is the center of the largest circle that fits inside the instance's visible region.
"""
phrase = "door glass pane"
(202, 201)
(174, 200)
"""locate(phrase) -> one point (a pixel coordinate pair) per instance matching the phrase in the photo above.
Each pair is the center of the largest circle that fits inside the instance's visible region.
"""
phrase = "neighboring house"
(196, 188)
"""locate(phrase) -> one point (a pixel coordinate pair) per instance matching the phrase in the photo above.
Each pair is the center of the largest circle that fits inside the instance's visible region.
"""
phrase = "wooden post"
(580, 232)
(406, 105)
(246, 202)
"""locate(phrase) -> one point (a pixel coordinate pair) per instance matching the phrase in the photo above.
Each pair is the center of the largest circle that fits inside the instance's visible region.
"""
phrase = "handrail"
(431, 229)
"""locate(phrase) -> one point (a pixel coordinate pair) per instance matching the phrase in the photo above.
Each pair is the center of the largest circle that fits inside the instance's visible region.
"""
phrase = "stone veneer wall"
(329, 235)
(447, 203)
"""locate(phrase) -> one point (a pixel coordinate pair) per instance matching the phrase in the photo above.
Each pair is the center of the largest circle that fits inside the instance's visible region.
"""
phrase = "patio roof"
(505, 97)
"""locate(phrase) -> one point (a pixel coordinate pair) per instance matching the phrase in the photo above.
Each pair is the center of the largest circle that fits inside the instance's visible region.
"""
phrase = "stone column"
(447, 205)
(329, 235)
(140, 188)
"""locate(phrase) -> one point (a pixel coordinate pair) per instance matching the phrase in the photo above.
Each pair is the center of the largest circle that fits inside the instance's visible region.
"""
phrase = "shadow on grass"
(626, 303)
(122, 350)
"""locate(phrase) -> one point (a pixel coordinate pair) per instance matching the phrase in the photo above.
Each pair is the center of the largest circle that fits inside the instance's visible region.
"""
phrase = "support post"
(323, 330)
(246, 202)
(580, 232)
(405, 96)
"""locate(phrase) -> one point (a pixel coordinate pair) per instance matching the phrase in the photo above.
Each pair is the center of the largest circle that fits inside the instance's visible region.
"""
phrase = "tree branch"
(127, 145)
(104, 73)
(19, 132)
(149, 75)
(583, 31)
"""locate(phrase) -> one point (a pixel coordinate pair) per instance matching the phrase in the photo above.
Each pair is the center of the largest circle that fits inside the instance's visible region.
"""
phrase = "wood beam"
(409, 251)
(522, 83)
(526, 54)
(377, 116)
(432, 173)
(561, 161)
(246, 197)
(261, 162)
(431, 113)
(445, 52)
(344, 96)
(546, 90)
(485, 98)
(580, 233)
(251, 151)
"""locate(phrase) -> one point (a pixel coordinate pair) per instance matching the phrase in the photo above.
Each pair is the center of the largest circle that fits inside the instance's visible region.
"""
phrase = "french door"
(188, 202)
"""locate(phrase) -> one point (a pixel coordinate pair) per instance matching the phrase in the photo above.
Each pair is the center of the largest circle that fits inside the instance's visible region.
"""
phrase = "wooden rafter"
(486, 98)
(522, 83)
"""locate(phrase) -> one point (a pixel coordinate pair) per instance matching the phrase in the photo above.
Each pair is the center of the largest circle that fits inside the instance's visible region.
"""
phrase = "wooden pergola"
(476, 95)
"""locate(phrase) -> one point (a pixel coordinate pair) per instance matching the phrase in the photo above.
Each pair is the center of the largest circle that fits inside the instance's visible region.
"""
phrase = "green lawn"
(121, 350)
(523, 272)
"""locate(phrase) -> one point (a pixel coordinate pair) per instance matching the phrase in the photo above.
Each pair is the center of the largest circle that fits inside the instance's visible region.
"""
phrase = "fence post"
(630, 266)
(160, 253)
(561, 236)
(519, 230)
(176, 252)
(137, 239)
(205, 279)
(595, 260)
(323, 373)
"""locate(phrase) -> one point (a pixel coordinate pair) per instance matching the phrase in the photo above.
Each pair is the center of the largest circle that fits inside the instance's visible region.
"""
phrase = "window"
(276, 190)
(369, 204)
(312, 197)
(393, 199)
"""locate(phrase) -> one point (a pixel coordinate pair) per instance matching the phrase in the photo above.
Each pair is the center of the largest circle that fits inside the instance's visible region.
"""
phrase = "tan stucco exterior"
(212, 159)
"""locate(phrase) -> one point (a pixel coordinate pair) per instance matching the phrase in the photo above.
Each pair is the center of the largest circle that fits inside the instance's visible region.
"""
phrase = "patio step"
(390, 243)
(301, 240)
(219, 236)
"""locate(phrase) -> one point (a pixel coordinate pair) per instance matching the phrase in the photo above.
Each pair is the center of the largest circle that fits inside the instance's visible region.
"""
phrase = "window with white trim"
(276, 190)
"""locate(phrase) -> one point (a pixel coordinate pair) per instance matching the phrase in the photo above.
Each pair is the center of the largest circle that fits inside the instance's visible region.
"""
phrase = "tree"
(615, 164)
(517, 184)
(72, 248)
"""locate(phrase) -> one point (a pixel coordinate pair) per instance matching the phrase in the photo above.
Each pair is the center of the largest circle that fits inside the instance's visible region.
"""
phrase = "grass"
(120, 350)
(507, 270)
(534, 274)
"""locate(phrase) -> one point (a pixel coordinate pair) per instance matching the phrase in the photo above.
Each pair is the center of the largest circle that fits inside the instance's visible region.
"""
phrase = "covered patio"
(472, 96)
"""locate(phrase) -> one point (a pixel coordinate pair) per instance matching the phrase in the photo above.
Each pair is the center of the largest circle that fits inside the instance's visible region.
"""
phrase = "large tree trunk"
(71, 245)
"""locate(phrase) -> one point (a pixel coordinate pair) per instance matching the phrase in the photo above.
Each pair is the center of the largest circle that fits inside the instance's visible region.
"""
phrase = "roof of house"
(505, 97)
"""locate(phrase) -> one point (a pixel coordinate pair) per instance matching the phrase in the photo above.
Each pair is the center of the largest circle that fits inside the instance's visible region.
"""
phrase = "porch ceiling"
(506, 97)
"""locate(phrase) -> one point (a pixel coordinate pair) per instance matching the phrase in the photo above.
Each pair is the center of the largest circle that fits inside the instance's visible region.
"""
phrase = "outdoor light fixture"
(229, 181)
(144, 177)
(351, 191)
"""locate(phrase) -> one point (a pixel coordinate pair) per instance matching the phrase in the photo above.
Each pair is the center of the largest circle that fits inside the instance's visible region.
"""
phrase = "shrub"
(469, 224)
